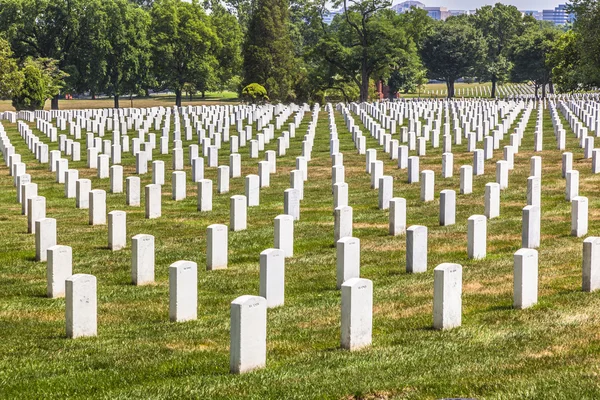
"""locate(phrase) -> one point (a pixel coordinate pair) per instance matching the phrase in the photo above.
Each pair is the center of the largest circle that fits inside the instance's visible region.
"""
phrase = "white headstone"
(348, 259)
(284, 234)
(579, 216)
(97, 211)
(238, 213)
(183, 291)
(466, 179)
(416, 249)
(216, 247)
(427, 185)
(342, 223)
(248, 345)
(447, 207)
(59, 268)
(525, 287)
(153, 201)
(252, 190)
(572, 188)
(272, 277)
(142, 259)
(591, 264)
(357, 314)
(492, 200)
(81, 306)
(117, 230)
(477, 236)
(397, 219)
(447, 296)
(133, 188)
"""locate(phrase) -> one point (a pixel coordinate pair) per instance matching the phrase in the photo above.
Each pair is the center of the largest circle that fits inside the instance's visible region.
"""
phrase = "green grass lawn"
(549, 351)
(163, 100)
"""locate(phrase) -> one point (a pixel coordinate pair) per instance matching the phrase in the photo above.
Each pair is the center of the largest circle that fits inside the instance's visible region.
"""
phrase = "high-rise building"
(534, 13)
(558, 16)
(438, 13)
(405, 6)
(328, 15)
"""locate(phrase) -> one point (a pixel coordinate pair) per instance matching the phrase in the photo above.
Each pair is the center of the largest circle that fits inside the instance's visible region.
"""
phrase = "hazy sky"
(474, 4)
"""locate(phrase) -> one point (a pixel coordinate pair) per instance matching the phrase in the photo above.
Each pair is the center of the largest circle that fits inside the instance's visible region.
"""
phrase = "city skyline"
(538, 5)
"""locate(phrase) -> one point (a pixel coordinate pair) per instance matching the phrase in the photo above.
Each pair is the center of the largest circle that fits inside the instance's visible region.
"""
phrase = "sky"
(474, 4)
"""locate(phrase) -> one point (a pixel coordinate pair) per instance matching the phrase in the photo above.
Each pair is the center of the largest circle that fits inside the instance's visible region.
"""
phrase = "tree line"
(280, 49)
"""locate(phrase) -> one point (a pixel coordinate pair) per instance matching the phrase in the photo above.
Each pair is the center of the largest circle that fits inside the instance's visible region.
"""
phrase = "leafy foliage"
(11, 78)
(42, 80)
(255, 93)
(452, 51)
(267, 51)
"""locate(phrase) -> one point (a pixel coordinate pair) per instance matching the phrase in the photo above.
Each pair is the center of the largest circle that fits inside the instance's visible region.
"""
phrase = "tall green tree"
(565, 59)
(126, 48)
(42, 80)
(42, 29)
(587, 44)
(454, 50)
(184, 45)
(364, 43)
(529, 54)
(500, 25)
(11, 77)
(268, 50)
(86, 63)
(228, 65)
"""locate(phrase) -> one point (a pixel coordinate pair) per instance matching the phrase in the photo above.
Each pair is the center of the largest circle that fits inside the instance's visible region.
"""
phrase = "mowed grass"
(211, 98)
(466, 90)
(548, 351)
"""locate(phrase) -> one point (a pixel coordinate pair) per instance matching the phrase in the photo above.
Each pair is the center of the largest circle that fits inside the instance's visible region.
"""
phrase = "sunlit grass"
(549, 351)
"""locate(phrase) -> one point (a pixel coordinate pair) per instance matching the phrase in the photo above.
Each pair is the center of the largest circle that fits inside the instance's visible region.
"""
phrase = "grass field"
(153, 101)
(551, 351)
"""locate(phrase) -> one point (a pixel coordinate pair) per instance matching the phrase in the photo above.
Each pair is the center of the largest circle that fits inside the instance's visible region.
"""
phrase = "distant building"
(558, 16)
(328, 15)
(405, 6)
(534, 13)
(438, 13)
(456, 13)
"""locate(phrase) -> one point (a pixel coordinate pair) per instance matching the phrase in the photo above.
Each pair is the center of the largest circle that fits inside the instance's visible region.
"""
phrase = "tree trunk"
(93, 96)
(54, 103)
(203, 94)
(551, 87)
(543, 91)
(178, 97)
(536, 91)
(450, 88)
(493, 95)
(364, 86)
(146, 92)
(116, 98)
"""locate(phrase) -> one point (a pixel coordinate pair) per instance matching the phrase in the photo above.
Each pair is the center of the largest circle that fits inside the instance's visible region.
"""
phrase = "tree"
(86, 63)
(42, 29)
(42, 80)
(499, 26)
(11, 77)
(126, 49)
(529, 53)
(452, 51)
(587, 42)
(364, 42)
(184, 45)
(566, 65)
(268, 51)
(229, 57)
